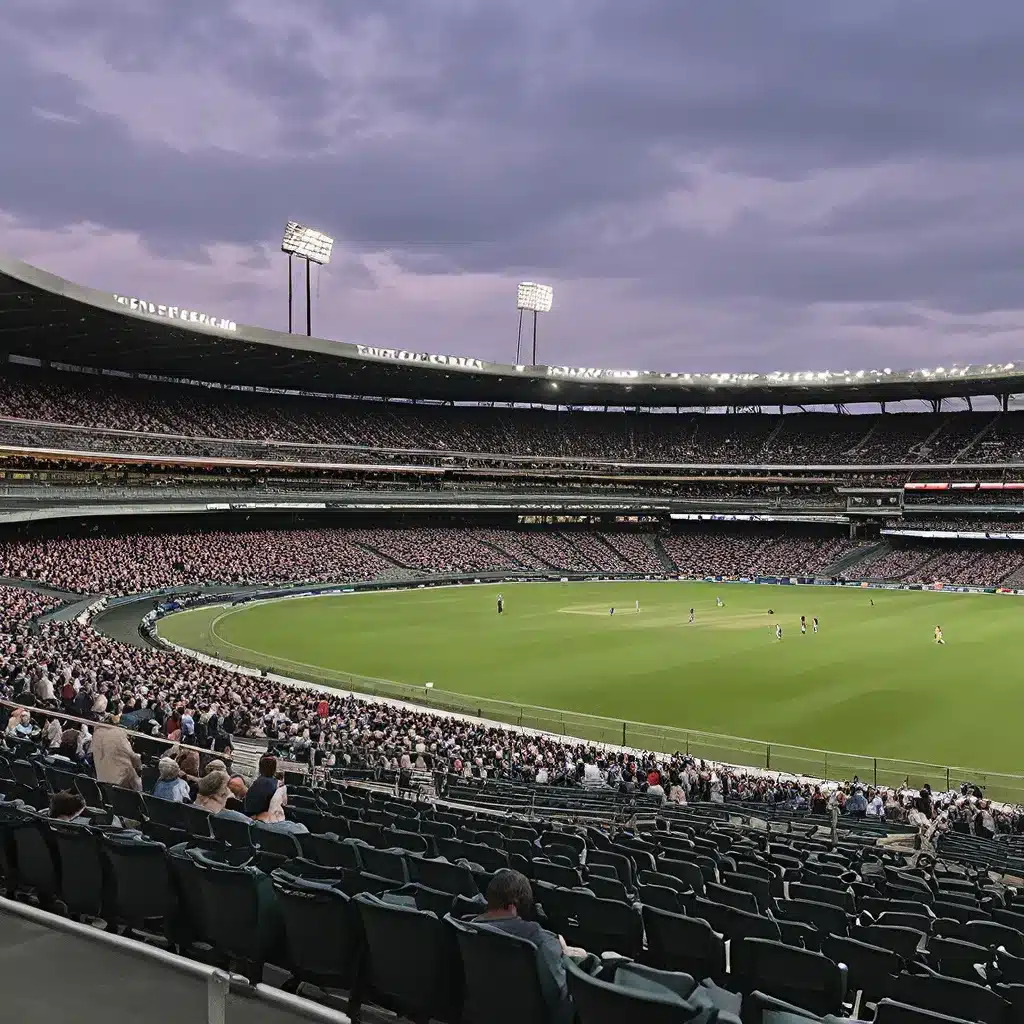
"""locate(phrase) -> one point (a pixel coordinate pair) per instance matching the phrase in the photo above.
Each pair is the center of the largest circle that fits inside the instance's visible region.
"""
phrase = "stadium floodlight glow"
(535, 298)
(313, 247)
(307, 243)
(532, 298)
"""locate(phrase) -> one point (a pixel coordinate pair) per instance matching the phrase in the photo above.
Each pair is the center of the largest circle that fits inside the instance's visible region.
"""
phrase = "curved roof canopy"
(46, 317)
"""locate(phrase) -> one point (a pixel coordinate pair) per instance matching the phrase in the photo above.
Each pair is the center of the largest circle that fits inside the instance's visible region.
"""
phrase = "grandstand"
(129, 489)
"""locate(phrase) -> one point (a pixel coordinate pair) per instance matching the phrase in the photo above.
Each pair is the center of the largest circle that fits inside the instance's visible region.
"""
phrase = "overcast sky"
(712, 185)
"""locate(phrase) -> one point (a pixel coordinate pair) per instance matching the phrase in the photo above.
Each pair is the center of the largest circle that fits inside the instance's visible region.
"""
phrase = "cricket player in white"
(638, 606)
(778, 631)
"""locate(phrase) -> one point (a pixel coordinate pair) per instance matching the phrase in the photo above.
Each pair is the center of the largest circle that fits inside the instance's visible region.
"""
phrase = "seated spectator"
(213, 791)
(592, 775)
(188, 762)
(261, 792)
(52, 733)
(20, 723)
(510, 910)
(66, 806)
(71, 745)
(238, 788)
(274, 818)
(171, 786)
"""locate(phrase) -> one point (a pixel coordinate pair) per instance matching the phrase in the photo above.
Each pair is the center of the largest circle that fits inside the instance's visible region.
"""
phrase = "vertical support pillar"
(217, 988)
(289, 293)
(309, 306)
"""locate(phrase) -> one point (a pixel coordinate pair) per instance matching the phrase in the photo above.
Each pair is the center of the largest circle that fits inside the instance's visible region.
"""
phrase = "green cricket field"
(871, 681)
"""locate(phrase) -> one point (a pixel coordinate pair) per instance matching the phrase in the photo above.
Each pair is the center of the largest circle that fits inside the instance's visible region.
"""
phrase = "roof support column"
(1005, 402)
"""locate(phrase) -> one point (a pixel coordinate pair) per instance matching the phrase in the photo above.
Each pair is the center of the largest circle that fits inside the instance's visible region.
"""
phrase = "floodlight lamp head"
(536, 298)
(307, 243)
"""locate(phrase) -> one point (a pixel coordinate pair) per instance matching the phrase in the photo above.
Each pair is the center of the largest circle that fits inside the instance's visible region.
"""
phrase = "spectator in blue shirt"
(857, 805)
(171, 786)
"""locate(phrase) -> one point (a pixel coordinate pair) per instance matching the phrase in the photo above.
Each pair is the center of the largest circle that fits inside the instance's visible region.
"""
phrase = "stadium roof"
(46, 317)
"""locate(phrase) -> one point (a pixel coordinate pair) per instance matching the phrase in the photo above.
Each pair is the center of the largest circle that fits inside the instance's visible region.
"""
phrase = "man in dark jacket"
(509, 907)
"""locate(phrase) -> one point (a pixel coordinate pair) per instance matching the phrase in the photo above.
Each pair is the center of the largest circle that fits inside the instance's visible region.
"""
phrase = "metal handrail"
(93, 725)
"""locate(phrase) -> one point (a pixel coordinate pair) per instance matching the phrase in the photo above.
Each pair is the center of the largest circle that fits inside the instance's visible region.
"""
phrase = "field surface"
(871, 682)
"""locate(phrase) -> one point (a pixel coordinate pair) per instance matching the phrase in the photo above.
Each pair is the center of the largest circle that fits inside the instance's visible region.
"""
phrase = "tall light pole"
(311, 246)
(533, 298)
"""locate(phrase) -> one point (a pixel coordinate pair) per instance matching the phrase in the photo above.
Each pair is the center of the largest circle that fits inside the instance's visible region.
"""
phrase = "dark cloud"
(716, 172)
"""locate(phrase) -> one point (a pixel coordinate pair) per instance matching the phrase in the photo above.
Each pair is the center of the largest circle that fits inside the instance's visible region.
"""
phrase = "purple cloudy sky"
(708, 185)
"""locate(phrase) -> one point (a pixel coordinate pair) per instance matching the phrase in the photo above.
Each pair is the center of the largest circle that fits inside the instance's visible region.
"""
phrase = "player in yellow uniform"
(938, 635)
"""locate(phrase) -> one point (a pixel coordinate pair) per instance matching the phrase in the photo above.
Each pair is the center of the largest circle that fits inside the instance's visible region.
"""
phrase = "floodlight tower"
(533, 298)
(311, 246)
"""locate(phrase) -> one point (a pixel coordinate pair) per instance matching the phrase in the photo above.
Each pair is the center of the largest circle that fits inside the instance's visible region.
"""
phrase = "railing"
(142, 743)
(785, 758)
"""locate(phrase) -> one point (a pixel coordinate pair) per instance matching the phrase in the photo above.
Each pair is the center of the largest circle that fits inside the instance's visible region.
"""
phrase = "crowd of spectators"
(19, 608)
(713, 552)
(892, 562)
(1012, 498)
(436, 550)
(67, 667)
(989, 566)
(134, 563)
(163, 418)
(961, 524)
(978, 565)
(635, 552)
(138, 562)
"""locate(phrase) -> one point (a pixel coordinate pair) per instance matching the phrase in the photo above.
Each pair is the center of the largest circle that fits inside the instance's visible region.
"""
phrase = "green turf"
(871, 682)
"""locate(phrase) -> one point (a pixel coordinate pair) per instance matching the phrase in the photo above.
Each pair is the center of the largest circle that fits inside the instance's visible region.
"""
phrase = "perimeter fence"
(808, 762)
